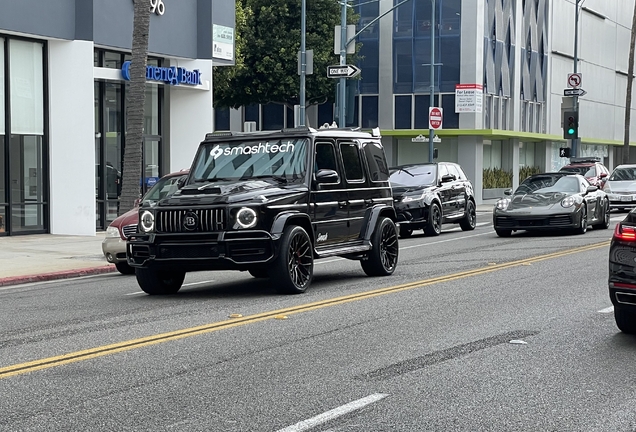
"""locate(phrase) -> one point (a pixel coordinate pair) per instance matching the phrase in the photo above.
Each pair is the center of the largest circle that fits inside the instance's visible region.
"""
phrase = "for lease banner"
(469, 98)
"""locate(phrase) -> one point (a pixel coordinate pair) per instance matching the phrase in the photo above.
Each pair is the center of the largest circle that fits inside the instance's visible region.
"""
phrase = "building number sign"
(157, 6)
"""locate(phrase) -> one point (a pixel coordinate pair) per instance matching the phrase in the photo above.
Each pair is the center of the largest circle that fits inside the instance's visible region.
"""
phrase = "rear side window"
(325, 157)
(453, 171)
(352, 162)
(378, 170)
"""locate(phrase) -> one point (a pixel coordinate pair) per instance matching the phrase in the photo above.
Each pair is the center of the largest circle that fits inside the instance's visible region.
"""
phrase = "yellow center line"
(49, 362)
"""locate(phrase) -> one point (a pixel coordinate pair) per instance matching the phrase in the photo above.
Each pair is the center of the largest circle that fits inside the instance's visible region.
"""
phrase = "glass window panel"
(2, 114)
(376, 162)
(447, 75)
(325, 157)
(351, 161)
(27, 87)
(151, 164)
(252, 114)
(451, 17)
(112, 60)
(151, 111)
(369, 112)
(370, 66)
(451, 118)
(403, 112)
(325, 113)
(421, 111)
(273, 116)
(403, 64)
(113, 140)
(290, 117)
(352, 107)
(403, 19)
(26, 169)
(423, 17)
(3, 190)
(222, 119)
(27, 217)
(422, 68)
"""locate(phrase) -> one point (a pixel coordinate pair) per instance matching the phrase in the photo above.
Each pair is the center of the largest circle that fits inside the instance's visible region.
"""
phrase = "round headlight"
(568, 202)
(502, 204)
(147, 221)
(246, 217)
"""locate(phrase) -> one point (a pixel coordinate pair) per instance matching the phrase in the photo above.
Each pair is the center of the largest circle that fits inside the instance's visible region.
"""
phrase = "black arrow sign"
(345, 71)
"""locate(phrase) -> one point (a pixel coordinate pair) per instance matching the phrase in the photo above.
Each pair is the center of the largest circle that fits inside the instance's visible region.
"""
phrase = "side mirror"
(137, 202)
(447, 178)
(508, 192)
(181, 182)
(603, 174)
(592, 189)
(327, 176)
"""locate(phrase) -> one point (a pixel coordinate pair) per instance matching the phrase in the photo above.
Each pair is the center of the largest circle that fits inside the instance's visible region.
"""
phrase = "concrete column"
(236, 119)
(515, 163)
(470, 155)
(516, 83)
(385, 96)
(472, 55)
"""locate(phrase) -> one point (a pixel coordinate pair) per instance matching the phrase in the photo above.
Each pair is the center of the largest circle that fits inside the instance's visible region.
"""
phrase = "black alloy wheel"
(155, 282)
(469, 222)
(124, 268)
(293, 269)
(259, 273)
(582, 229)
(383, 258)
(605, 223)
(503, 232)
(405, 232)
(434, 225)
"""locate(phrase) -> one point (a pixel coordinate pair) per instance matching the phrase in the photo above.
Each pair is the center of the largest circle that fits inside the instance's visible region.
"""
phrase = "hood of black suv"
(233, 191)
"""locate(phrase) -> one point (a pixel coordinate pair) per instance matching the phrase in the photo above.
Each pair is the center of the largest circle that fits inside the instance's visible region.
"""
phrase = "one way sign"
(346, 71)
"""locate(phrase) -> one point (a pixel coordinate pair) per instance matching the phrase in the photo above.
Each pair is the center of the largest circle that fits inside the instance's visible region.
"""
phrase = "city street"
(472, 333)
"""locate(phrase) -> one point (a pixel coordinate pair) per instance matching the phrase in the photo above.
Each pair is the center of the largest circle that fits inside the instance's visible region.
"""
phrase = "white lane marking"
(459, 229)
(445, 241)
(607, 310)
(334, 413)
(135, 293)
(198, 283)
(617, 218)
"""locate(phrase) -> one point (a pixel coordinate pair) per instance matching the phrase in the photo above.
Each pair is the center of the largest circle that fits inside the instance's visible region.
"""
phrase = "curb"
(65, 274)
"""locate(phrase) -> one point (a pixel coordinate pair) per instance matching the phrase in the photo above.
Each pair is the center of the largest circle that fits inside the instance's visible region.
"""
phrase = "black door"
(357, 184)
(458, 190)
(329, 199)
(445, 191)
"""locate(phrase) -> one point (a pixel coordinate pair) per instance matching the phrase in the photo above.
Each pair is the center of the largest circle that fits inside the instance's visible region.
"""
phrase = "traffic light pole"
(431, 132)
(575, 141)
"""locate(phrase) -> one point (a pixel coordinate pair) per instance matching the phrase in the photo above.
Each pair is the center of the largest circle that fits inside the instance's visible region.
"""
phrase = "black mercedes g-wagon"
(271, 203)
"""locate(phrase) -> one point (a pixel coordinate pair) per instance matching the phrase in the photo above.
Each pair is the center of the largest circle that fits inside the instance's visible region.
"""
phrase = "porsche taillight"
(625, 233)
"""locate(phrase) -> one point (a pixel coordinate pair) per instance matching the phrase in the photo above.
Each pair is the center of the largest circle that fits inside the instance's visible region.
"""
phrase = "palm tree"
(628, 97)
(135, 102)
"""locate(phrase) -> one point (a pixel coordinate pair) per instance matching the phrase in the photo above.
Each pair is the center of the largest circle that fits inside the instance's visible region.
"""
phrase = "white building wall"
(71, 137)
(604, 32)
(190, 116)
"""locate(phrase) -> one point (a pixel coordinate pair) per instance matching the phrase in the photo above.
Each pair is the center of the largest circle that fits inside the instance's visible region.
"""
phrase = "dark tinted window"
(325, 157)
(352, 162)
(376, 161)
(452, 169)
(413, 175)
(403, 112)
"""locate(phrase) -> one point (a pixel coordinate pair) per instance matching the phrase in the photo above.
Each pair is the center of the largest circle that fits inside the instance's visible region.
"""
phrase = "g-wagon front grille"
(129, 230)
(181, 221)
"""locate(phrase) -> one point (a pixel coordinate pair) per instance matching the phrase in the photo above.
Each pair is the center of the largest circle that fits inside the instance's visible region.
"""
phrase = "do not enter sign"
(435, 118)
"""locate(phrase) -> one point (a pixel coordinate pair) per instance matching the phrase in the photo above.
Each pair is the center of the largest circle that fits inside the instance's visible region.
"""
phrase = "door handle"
(343, 203)
(368, 202)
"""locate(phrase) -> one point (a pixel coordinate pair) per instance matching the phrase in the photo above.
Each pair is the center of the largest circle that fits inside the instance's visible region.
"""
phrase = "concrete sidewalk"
(42, 257)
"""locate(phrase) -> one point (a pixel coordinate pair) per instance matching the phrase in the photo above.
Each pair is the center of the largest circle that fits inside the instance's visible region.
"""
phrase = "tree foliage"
(266, 50)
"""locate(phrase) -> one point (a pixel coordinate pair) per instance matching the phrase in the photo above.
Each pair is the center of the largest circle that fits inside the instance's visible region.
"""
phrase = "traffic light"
(570, 125)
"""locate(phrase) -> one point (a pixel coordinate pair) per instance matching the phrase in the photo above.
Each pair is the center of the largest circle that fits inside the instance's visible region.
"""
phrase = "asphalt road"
(472, 332)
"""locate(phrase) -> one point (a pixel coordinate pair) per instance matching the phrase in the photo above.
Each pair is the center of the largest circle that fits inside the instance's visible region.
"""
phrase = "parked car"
(622, 273)
(431, 194)
(270, 203)
(589, 167)
(621, 187)
(552, 201)
(114, 244)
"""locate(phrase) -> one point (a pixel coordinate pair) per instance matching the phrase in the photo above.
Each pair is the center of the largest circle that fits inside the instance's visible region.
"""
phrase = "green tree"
(135, 102)
(267, 45)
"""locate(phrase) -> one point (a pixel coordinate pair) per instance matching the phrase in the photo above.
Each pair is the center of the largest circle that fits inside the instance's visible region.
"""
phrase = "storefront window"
(27, 88)
(27, 191)
(3, 193)
(151, 111)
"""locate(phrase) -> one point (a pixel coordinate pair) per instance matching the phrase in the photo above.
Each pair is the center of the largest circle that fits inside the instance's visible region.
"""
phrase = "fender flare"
(281, 221)
(372, 217)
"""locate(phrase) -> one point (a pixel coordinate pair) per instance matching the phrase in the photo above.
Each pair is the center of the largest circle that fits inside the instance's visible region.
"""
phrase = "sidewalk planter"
(495, 193)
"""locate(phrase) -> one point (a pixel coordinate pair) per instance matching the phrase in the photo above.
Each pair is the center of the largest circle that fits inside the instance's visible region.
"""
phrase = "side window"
(442, 170)
(325, 157)
(453, 171)
(462, 174)
(376, 160)
(352, 162)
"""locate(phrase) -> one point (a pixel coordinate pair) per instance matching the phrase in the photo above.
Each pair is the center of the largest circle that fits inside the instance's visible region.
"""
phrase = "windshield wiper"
(215, 179)
(278, 178)
(406, 171)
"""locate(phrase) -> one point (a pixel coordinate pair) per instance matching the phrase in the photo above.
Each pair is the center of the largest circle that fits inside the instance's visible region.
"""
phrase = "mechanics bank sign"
(169, 75)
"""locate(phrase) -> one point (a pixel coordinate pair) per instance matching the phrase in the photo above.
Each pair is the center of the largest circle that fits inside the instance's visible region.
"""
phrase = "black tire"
(625, 321)
(582, 229)
(156, 282)
(606, 217)
(503, 232)
(405, 232)
(383, 258)
(470, 220)
(124, 268)
(293, 269)
(434, 225)
(259, 273)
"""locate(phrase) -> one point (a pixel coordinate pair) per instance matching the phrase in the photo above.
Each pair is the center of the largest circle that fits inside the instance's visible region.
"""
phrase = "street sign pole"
(575, 141)
(342, 87)
(431, 132)
(303, 62)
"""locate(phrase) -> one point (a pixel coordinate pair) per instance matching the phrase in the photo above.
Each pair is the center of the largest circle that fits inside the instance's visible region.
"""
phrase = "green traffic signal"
(571, 131)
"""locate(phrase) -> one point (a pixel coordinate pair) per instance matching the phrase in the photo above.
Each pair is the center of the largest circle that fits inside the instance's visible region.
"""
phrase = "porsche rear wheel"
(605, 220)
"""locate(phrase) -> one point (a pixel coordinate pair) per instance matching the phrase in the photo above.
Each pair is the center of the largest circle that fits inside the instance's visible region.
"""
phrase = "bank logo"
(260, 148)
(190, 221)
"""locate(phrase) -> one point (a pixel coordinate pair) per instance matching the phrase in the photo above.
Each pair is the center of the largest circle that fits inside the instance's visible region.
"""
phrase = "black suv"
(622, 273)
(270, 203)
(428, 195)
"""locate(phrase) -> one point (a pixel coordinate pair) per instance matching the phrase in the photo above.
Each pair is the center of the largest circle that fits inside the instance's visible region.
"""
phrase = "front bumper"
(412, 214)
(114, 249)
(536, 222)
(225, 250)
(621, 201)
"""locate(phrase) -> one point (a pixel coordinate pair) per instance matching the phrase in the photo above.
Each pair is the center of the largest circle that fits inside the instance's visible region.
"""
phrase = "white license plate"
(626, 198)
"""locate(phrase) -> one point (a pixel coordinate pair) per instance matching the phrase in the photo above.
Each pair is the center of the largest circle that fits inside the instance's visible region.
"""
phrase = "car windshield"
(280, 158)
(623, 174)
(549, 184)
(584, 171)
(418, 175)
(162, 189)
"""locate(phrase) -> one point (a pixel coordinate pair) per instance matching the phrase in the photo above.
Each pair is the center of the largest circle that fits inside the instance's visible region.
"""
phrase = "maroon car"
(589, 167)
(114, 244)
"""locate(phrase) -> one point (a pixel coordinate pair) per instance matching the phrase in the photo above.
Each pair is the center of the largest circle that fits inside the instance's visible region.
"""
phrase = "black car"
(622, 273)
(429, 195)
(552, 201)
(270, 203)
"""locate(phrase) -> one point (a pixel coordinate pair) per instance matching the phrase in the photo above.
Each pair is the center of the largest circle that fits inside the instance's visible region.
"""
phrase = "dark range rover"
(270, 203)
